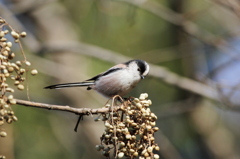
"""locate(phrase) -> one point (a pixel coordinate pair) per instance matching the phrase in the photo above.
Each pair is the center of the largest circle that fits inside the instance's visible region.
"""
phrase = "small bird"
(118, 80)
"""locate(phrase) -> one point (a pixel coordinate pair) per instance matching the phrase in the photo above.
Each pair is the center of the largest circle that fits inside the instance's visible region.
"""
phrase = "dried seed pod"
(122, 144)
(139, 105)
(34, 72)
(7, 48)
(136, 100)
(6, 75)
(10, 112)
(10, 69)
(148, 127)
(131, 150)
(2, 112)
(153, 123)
(114, 138)
(107, 136)
(19, 63)
(9, 44)
(6, 32)
(20, 87)
(149, 102)
(14, 118)
(16, 83)
(149, 149)
(125, 130)
(22, 79)
(13, 102)
(23, 34)
(144, 151)
(3, 134)
(153, 116)
(22, 70)
(5, 53)
(15, 35)
(4, 63)
(4, 84)
(115, 118)
(5, 71)
(134, 137)
(143, 96)
(107, 124)
(2, 34)
(10, 90)
(135, 154)
(120, 155)
(12, 55)
(155, 129)
(98, 147)
(27, 63)
(121, 125)
(146, 154)
(9, 121)
(2, 21)
(10, 97)
(157, 148)
(3, 39)
(128, 136)
(156, 156)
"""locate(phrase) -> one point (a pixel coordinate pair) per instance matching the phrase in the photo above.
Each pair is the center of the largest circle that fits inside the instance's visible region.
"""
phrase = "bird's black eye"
(139, 69)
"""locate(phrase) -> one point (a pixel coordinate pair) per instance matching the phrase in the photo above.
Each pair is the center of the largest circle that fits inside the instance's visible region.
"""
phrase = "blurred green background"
(73, 40)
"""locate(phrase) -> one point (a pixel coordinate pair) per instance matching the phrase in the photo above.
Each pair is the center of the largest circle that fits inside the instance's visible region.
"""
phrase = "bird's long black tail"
(65, 85)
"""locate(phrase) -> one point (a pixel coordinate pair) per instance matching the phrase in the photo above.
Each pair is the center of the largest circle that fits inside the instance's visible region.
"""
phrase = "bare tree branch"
(230, 5)
(186, 25)
(82, 111)
(177, 19)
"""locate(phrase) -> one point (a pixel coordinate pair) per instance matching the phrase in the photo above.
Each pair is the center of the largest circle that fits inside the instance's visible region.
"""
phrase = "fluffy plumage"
(118, 80)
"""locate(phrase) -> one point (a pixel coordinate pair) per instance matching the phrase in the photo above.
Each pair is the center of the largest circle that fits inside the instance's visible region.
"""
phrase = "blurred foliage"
(191, 126)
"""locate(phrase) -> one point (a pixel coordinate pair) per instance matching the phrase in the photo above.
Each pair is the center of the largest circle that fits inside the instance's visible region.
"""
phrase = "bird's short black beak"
(142, 77)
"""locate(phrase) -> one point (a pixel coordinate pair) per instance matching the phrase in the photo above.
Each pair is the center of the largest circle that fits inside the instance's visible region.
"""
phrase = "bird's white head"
(141, 66)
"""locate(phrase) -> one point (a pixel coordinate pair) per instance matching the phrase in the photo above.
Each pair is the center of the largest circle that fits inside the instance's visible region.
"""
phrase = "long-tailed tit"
(118, 80)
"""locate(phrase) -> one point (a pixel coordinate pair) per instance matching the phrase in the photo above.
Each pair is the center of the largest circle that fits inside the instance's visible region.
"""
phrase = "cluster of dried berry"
(130, 131)
(10, 70)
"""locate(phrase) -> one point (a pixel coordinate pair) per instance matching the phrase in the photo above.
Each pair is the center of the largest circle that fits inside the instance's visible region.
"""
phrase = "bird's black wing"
(111, 70)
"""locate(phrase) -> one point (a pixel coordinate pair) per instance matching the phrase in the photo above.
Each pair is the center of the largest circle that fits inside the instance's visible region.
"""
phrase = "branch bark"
(82, 111)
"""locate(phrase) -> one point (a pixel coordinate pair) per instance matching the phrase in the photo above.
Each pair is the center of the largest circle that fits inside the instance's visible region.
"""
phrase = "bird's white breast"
(119, 82)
